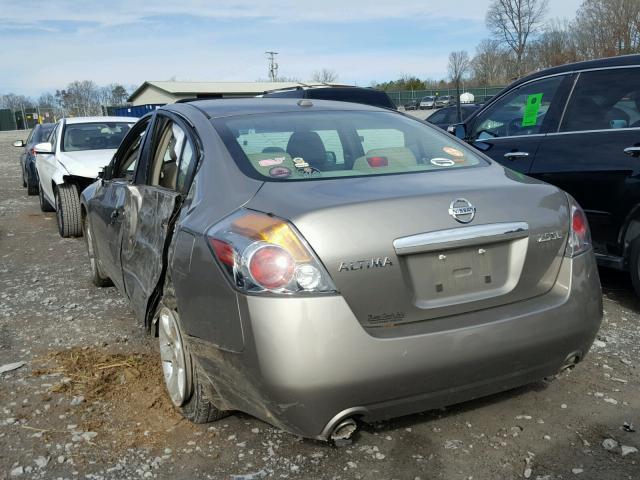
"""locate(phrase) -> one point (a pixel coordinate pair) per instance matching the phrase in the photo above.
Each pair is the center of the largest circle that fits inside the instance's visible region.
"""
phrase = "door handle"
(515, 155)
(633, 151)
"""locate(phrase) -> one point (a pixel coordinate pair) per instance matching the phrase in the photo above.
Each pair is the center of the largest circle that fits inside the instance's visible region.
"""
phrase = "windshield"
(328, 144)
(94, 136)
(41, 134)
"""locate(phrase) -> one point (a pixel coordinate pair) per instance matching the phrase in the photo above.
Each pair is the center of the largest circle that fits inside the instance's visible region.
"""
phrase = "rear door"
(151, 207)
(510, 129)
(107, 206)
(586, 156)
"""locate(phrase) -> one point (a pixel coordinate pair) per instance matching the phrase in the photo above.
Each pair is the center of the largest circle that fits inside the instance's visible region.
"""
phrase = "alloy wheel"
(173, 357)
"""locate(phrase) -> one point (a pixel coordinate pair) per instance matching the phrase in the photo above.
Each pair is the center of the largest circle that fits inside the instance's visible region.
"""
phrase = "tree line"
(523, 40)
(79, 98)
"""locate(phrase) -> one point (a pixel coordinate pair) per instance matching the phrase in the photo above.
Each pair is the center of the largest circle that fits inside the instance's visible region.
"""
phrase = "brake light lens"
(579, 235)
(378, 161)
(263, 254)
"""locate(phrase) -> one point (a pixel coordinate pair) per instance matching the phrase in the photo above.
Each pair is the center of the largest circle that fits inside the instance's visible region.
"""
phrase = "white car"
(77, 149)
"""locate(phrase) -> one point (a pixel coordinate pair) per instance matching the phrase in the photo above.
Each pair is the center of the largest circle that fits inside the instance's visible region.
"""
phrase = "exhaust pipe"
(571, 361)
(343, 431)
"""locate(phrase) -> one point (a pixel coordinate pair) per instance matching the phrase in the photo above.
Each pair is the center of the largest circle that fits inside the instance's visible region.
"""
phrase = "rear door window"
(604, 100)
(520, 112)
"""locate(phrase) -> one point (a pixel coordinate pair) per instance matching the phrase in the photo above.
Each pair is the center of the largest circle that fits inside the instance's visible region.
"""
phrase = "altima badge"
(462, 210)
(548, 236)
(365, 264)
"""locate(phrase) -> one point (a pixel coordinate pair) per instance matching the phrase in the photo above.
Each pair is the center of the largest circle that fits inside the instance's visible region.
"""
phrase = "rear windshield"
(94, 136)
(329, 144)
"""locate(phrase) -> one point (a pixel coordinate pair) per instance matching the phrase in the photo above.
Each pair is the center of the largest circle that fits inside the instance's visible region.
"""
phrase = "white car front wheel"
(68, 213)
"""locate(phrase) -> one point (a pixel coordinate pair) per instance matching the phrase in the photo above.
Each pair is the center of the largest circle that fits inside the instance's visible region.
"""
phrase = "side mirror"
(18, 143)
(44, 148)
(105, 173)
(458, 129)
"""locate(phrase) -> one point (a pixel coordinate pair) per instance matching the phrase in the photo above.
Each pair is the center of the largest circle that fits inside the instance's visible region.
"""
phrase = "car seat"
(308, 146)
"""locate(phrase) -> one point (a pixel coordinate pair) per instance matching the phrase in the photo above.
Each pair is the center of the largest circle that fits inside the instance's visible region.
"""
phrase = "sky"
(45, 44)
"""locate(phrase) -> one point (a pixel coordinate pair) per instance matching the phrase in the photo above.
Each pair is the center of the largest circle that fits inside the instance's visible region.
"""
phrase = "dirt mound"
(123, 393)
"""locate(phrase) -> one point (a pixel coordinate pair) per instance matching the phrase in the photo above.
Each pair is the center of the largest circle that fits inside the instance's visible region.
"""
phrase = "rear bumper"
(308, 363)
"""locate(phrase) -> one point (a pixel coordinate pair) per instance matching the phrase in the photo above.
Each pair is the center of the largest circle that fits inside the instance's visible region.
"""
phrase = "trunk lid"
(397, 255)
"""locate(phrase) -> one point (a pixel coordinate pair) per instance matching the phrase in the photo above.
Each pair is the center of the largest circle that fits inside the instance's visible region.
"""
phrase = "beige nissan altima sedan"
(317, 264)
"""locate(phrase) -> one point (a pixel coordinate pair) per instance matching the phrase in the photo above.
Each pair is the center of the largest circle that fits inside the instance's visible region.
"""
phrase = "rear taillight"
(579, 236)
(261, 254)
(33, 151)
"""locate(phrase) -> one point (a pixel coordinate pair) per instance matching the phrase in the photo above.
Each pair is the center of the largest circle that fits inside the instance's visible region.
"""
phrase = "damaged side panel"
(145, 233)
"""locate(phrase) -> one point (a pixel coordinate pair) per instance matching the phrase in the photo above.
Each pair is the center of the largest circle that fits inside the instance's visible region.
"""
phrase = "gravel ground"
(89, 403)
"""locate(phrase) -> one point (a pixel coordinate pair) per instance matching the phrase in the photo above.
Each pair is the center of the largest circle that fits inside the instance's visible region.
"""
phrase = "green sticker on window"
(531, 108)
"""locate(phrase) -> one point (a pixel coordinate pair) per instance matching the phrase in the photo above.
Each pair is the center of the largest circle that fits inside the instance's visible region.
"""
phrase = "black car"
(448, 115)
(412, 104)
(366, 96)
(576, 126)
(39, 134)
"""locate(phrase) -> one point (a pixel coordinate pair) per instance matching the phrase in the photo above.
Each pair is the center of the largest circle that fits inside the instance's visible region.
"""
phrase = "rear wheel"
(45, 206)
(634, 264)
(183, 377)
(97, 278)
(68, 214)
(24, 180)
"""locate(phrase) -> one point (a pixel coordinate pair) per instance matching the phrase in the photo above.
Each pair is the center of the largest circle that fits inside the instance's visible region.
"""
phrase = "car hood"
(85, 163)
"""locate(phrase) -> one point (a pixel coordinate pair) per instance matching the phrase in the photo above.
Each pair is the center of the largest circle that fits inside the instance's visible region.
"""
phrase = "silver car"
(316, 264)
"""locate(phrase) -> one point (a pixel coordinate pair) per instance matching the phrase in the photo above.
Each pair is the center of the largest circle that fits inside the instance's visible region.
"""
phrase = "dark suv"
(578, 127)
(366, 96)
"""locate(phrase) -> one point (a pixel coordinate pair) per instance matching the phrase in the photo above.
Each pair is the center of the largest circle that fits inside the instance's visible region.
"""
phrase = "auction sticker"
(280, 172)
(442, 162)
(454, 152)
(268, 162)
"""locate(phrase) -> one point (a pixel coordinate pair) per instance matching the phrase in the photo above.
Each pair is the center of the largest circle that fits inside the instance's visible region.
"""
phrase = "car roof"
(620, 61)
(72, 120)
(227, 107)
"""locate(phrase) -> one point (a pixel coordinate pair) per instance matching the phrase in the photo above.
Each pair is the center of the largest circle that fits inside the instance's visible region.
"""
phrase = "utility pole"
(273, 66)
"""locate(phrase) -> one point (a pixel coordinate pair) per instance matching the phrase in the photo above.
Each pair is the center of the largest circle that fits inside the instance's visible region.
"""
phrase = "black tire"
(45, 206)
(198, 406)
(32, 190)
(97, 277)
(68, 213)
(634, 264)
(24, 180)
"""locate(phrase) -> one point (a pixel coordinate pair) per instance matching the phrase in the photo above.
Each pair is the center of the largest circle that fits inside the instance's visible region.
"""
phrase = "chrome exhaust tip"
(571, 361)
(343, 431)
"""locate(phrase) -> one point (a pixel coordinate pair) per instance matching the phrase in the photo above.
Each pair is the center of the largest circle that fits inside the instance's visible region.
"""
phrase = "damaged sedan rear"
(315, 264)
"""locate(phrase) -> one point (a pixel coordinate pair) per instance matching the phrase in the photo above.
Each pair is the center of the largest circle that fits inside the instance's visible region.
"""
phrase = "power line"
(273, 66)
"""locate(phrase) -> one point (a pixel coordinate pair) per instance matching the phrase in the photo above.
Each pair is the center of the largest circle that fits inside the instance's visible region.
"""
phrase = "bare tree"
(606, 28)
(458, 67)
(15, 102)
(491, 64)
(556, 46)
(80, 98)
(324, 76)
(513, 22)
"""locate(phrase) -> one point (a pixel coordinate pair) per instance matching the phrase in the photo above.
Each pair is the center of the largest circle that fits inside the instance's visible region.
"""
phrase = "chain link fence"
(25, 118)
(481, 94)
